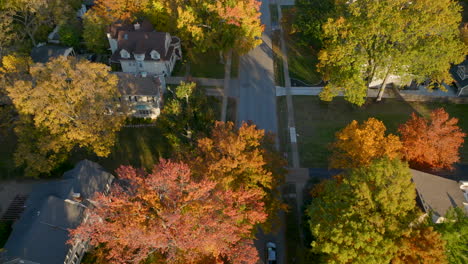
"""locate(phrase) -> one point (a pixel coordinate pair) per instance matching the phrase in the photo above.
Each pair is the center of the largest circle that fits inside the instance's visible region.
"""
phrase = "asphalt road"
(256, 81)
(257, 103)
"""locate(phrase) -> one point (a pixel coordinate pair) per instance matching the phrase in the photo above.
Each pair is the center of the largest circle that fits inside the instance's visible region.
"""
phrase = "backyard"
(206, 65)
(318, 121)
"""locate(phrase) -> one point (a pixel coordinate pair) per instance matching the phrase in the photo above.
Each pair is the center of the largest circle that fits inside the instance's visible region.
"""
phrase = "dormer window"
(155, 55)
(139, 57)
(462, 72)
(124, 54)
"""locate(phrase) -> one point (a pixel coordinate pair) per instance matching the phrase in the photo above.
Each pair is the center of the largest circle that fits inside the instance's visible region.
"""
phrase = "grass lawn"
(283, 133)
(7, 149)
(318, 121)
(5, 230)
(302, 60)
(207, 65)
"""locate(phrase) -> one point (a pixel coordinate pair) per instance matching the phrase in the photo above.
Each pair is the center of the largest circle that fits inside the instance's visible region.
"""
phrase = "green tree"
(310, 17)
(186, 116)
(94, 32)
(370, 40)
(70, 101)
(70, 33)
(455, 233)
(358, 217)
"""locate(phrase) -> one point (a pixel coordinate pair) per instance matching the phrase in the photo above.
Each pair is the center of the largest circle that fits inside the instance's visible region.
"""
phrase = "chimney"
(137, 26)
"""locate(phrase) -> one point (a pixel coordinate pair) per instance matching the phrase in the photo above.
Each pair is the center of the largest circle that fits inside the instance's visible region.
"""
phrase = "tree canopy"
(357, 144)
(169, 211)
(202, 25)
(432, 143)
(369, 40)
(358, 217)
(454, 232)
(71, 101)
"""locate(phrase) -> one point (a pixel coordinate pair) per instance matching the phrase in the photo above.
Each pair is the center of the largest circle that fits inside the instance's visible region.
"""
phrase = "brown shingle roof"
(141, 43)
(131, 84)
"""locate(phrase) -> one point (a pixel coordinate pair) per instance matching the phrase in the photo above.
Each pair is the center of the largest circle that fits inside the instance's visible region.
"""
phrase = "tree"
(241, 158)
(169, 211)
(72, 100)
(202, 25)
(70, 33)
(31, 16)
(357, 218)
(371, 40)
(454, 232)
(94, 32)
(186, 116)
(422, 245)
(358, 144)
(310, 17)
(7, 33)
(432, 143)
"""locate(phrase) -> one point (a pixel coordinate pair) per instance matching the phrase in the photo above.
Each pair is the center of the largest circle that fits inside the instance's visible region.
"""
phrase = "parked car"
(271, 253)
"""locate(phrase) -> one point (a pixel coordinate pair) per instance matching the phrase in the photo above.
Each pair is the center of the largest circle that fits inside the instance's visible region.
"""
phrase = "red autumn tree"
(168, 212)
(432, 143)
(242, 158)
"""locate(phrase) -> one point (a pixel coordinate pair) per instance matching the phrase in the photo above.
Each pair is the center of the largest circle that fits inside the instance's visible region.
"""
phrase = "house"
(437, 194)
(141, 95)
(40, 236)
(138, 48)
(460, 76)
(43, 53)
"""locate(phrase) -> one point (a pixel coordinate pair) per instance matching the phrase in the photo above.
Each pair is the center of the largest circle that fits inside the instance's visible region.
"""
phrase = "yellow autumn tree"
(70, 101)
(358, 144)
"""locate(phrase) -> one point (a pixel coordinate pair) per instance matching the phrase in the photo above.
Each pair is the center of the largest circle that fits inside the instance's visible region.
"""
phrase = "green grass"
(207, 65)
(318, 121)
(283, 133)
(276, 47)
(139, 147)
(302, 60)
(235, 65)
(5, 230)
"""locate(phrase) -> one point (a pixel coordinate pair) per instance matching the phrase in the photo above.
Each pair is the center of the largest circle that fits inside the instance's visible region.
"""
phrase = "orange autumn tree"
(242, 157)
(358, 144)
(171, 214)
(422, 245)
(125, 10)
(432, 143)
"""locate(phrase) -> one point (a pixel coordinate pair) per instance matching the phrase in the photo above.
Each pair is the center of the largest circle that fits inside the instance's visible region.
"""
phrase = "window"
(461, 72)
(130, 98)
(144, 112)
(140, 64)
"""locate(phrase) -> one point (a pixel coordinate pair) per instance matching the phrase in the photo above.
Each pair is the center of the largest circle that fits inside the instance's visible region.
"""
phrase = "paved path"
(256, 81)
(289, 101)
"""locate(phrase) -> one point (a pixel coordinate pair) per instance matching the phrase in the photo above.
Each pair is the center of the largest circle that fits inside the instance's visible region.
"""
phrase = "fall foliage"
(240, 158)
(69, 100)
(170, 212)
(358, 144)
(358, 218)
(432, 143)
(370, 40)
(422, 245)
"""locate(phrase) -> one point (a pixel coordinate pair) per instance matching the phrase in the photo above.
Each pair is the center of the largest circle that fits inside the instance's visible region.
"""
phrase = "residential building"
(460, 76)
(43, 53)
(437, 194)
(141, 95)
(140, 49)
(40, 236)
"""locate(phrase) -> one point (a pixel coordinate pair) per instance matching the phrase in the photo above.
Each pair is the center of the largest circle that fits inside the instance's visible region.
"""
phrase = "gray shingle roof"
(461, 83)
(129, 84)
(42, 54)
(41, 233)
(438, 194)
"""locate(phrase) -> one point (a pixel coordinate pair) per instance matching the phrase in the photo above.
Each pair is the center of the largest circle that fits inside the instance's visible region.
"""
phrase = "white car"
(271, 253)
